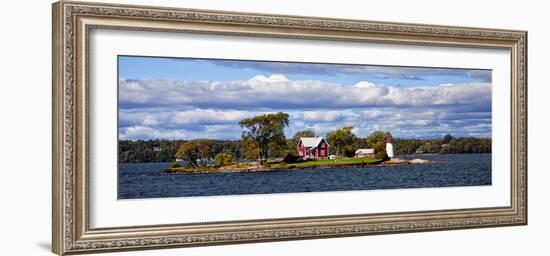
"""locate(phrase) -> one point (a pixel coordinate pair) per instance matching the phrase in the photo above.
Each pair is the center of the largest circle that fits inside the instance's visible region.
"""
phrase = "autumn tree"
(266, 131)
(204, 146)
(223, 159)
(189, 151)
(342, 140)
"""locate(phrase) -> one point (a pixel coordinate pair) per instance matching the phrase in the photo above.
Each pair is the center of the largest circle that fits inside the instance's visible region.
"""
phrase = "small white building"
(364, 152)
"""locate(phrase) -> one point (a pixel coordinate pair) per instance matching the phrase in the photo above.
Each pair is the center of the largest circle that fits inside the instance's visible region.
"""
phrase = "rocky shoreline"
(258, 168)
(395, 161)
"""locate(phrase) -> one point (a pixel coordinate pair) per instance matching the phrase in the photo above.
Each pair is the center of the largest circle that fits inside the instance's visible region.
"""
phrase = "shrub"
(223, 159)
(349, 152)
(381, 155)
(175, 165)
(291, 158)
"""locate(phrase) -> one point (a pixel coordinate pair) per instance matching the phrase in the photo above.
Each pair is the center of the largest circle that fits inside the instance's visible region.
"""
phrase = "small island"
(278, 166)
(264, 134)
(282, 166)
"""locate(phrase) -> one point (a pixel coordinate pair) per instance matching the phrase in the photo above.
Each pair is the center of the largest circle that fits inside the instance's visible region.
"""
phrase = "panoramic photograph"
(213, 127)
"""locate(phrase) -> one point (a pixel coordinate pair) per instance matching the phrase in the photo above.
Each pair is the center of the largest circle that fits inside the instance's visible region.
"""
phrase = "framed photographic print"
(179, 127)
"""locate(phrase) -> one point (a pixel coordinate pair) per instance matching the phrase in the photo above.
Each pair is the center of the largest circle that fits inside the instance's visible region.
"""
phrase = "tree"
(342, 140)
(447, 139)
(382, 155)
(266, 130)
(430, 147)
(406, 146)
(223, 159)
(250, 149)
(360, 143)
(304, 133)
(204, 147)
(189, 151)
(291, 158)
(376, 141)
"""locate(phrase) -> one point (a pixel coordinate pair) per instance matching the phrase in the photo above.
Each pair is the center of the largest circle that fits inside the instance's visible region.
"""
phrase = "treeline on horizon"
(149, 151)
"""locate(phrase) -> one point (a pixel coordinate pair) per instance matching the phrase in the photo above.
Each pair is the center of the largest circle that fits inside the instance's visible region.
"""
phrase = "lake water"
(148, 180)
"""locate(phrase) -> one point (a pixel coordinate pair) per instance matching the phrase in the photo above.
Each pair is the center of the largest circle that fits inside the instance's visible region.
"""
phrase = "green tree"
(304, 133)
(382, 155)
(189, 151)
(360, 143)
(406, 146)
(342, 140)
(250, 149)
(376, 141)
(447, 139)
(223, 159)
(430, 147)
(266, 130)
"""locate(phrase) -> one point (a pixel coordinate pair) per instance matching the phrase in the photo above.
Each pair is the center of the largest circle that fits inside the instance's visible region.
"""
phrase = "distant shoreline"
(406, 155)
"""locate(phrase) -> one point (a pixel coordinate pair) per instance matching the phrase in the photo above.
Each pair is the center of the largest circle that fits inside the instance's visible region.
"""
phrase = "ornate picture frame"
(72, 24)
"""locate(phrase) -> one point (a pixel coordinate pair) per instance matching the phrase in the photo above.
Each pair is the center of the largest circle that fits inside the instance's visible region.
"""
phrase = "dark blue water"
(148, 180)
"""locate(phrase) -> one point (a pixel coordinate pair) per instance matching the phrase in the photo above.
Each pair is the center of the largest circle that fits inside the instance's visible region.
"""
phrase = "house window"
(322, 152)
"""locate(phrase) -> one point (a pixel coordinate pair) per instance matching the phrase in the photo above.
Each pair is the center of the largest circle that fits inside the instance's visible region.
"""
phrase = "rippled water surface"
(148, 181)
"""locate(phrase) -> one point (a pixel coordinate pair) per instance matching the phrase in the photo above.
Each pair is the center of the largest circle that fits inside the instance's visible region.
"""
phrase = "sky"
(182, 98)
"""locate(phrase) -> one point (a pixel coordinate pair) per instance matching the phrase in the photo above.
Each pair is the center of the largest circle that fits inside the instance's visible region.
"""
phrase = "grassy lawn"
(329, 161)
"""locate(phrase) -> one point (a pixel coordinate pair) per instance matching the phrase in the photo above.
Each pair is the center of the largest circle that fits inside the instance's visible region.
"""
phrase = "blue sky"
(146, 68)
(179, 98)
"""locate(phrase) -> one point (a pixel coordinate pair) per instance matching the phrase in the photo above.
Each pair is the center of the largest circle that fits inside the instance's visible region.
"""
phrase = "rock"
(396, 161)
(420, 161)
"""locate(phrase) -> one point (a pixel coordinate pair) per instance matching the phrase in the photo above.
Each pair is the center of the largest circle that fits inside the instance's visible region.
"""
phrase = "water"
(148, 180)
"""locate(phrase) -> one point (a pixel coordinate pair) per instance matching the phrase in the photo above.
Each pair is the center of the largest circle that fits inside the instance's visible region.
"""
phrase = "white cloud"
(275, 78)
(183, 110)
(144, 132)
(210, 131)
(202, 116)
(327, 116)
(277, 92)
(195, 116)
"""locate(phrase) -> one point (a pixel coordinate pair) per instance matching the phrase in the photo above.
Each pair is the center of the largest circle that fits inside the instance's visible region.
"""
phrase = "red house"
(313, 147)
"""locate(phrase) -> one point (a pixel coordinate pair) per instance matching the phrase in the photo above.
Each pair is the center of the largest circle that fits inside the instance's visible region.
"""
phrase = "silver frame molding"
(72, 22)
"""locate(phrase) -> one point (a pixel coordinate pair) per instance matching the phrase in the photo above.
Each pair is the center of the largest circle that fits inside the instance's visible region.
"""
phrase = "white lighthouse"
(389, 144)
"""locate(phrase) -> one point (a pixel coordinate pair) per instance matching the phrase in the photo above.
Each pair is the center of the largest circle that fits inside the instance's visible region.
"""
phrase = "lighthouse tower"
(389, 144)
